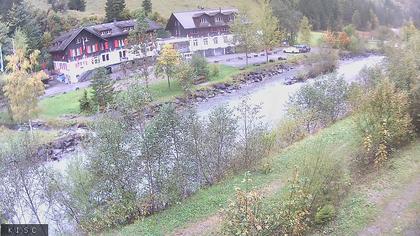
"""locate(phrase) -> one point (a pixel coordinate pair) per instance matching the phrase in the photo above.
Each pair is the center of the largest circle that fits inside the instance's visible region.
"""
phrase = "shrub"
(245, 215)
(200, 65)
(86, 104)
(384, 121)
(133, 100)
(325, 214)
(185, 74)
(318, 104)
(290, 131)
(215, 71)
(323, 62)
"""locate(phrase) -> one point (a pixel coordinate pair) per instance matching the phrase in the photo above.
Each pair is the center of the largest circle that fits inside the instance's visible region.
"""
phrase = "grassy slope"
(97, 7)
(362, 204)
(340, 139)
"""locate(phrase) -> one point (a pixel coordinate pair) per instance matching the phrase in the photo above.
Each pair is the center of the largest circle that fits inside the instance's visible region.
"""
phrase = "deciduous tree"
(167, 62)
(245, 33)
(23, 84)
(305, 31)
(268, 28)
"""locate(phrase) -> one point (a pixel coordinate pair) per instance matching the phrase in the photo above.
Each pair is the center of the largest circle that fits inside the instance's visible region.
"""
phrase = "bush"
(200, 65)
(86, 103)
(317, 104)
(215, 71)
(384, 121)
(323, 62)
(245, 215)
(290, 131)
(325, 214)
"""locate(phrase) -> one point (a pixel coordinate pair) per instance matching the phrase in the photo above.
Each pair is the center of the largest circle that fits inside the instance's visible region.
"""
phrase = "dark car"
(303, 48)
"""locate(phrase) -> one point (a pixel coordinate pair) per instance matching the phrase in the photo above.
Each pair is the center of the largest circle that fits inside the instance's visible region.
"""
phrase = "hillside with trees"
(343, 158)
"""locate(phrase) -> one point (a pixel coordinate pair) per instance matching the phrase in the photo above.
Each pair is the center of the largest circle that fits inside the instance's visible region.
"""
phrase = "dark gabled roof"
(186, 19)
(117, 29)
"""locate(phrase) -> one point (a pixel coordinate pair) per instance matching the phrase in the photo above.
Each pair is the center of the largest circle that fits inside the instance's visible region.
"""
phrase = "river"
(272, 94)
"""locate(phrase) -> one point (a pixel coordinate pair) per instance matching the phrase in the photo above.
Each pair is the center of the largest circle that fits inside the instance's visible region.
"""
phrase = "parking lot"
(239, 59)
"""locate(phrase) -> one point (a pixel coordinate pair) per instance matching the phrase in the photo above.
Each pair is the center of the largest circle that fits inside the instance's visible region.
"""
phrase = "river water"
(272, 94)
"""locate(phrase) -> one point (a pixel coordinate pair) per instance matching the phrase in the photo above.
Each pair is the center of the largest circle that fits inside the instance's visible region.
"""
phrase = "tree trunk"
(266, 54)
(169, 82)
(246, 57)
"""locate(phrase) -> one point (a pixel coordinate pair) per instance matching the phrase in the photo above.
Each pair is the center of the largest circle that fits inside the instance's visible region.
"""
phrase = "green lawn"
(68, 103)
(315, 38)
(340, 139)
(162, 93)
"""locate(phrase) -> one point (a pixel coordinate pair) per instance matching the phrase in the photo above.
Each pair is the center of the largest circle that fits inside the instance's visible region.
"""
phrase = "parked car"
(291, 50)
(303, 48)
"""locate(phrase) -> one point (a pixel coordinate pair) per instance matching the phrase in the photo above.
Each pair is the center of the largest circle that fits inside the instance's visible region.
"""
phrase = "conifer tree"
(103, 89)
(114, 10)
(78, 5)
(147, 6)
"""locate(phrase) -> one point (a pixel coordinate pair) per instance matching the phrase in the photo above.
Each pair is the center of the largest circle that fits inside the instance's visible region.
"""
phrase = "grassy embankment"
(339, 140)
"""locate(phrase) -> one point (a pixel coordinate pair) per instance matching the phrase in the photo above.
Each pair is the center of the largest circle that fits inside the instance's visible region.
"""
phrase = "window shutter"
(116, 43)
(106, 45)
(125, 42)
(70, 53)
(96, 47)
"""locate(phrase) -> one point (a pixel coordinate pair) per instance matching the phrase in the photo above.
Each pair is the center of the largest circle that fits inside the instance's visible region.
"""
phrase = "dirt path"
(211, 225)
(398, 209)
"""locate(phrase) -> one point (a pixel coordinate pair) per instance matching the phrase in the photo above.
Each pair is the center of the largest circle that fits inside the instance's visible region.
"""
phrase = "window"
(78, 40)
(206, 41)
(73, 52)
(194, 31)
(218, 19)
(203, 20)
(195, 42)
(85, 39)
(215, 40)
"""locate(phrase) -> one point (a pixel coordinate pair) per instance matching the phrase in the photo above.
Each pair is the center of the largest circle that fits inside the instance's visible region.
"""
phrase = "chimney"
(220, 9)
